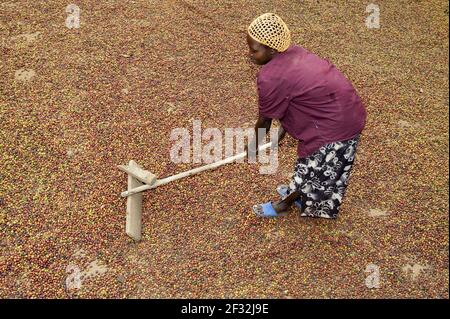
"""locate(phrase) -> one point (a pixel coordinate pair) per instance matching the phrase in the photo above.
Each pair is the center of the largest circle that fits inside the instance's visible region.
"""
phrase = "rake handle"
(169, 179)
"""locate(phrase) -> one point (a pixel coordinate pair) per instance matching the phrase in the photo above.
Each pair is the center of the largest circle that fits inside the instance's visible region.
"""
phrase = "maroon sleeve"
(273, 102)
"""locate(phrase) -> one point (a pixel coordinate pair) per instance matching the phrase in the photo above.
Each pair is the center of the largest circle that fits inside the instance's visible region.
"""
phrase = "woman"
(315, 104)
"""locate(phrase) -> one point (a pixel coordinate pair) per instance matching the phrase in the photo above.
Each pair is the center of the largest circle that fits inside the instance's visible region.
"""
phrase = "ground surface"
(74, 103)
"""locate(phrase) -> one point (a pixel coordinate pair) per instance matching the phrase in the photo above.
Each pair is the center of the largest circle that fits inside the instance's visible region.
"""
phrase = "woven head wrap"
(269, 29)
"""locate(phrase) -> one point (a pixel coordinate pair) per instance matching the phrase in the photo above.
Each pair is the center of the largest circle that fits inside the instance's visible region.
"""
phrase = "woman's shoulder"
(283, 64)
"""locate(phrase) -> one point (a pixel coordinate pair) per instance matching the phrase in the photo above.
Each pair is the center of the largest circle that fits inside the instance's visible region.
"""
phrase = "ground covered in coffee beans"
(74, 103)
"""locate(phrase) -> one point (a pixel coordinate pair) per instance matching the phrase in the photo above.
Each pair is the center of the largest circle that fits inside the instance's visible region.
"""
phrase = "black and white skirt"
(322, 178)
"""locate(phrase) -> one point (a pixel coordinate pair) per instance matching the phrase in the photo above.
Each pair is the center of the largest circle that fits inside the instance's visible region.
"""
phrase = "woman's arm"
(261, 123)
(281, 134)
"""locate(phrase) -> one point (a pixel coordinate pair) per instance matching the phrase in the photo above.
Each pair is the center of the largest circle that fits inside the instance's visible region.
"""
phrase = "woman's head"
(267, 36)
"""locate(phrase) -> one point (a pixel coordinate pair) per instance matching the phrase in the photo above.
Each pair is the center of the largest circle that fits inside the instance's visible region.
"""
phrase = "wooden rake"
(140, 180)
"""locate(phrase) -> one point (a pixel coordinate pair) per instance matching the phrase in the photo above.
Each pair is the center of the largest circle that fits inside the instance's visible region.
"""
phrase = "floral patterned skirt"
(322, 178)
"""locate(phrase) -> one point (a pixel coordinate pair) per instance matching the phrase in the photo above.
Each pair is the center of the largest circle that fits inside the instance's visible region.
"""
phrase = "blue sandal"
(285, 191)
(268, 210)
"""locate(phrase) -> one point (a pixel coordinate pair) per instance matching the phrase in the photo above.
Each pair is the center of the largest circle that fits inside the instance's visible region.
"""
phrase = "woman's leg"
(285, 204)
(324, 178)
(320, 180)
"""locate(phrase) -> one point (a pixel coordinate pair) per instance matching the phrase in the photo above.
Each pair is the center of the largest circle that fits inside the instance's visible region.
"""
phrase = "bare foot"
(280, 207)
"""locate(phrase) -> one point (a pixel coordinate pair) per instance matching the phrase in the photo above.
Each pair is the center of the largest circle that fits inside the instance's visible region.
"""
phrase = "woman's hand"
(251, 152)
(281, 134)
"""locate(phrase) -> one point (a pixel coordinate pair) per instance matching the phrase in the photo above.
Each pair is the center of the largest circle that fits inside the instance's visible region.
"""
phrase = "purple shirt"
(315, 103)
